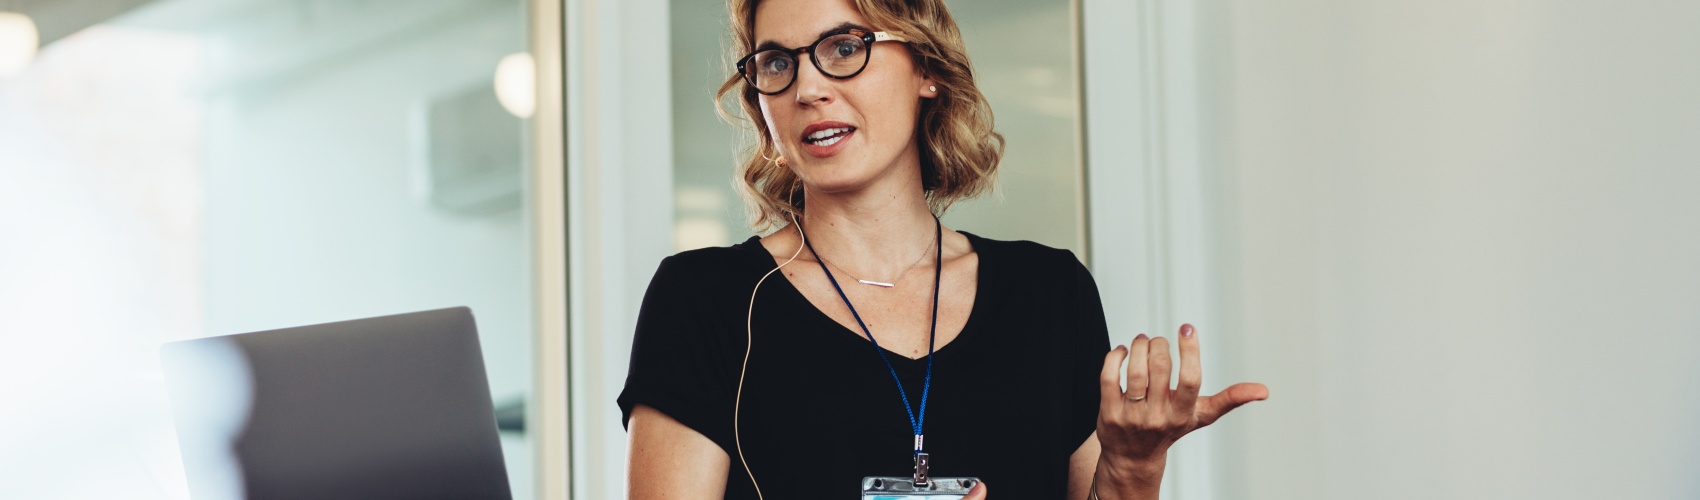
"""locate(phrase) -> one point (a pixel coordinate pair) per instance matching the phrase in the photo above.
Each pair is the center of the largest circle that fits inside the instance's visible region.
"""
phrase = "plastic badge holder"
(903, 488)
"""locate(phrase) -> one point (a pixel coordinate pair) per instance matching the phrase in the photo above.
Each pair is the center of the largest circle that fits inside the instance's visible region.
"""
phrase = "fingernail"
(1140, 337)
(1186, 330)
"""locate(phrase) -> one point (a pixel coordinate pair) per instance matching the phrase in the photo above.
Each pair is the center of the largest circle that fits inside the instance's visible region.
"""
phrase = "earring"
(931, 88)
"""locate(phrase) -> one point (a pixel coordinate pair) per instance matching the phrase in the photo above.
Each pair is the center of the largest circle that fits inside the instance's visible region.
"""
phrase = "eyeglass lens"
(841, 56)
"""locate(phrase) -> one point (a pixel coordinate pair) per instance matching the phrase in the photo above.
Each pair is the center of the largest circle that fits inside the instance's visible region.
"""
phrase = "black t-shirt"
(1012, 396)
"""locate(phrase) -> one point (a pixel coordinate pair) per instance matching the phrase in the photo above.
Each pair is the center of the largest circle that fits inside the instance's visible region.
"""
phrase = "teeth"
(820, 134)
(829, 142)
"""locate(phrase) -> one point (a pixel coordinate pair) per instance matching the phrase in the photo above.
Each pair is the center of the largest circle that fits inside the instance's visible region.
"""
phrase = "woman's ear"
(929, 88)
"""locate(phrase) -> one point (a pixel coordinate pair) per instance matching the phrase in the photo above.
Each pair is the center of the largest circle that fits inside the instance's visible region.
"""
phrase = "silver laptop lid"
(387, 407)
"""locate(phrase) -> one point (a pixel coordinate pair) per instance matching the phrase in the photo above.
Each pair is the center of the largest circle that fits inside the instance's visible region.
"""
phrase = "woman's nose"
(813, 87)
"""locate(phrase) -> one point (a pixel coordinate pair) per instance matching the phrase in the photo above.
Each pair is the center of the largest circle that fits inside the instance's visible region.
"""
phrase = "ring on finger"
(1135, 400)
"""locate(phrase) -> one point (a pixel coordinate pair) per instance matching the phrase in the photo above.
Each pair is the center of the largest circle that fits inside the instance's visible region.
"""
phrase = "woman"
(746, 383)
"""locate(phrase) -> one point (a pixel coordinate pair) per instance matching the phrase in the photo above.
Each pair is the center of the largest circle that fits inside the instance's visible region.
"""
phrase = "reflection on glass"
(182, 168)
(1031, 81)
(212, 391)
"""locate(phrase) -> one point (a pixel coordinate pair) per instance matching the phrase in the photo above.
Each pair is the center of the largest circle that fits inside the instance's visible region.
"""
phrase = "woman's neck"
(875, 233)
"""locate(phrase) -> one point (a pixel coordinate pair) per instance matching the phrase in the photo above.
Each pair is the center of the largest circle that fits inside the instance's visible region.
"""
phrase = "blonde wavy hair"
(959, 149)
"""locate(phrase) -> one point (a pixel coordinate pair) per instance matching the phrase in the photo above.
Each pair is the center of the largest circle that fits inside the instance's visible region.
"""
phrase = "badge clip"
(921, 465)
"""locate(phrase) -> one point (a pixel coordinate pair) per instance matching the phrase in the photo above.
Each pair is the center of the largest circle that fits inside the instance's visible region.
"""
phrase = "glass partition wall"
(183, 168)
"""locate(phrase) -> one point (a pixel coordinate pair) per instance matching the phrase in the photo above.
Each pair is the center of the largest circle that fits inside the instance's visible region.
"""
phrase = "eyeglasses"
(839, 55)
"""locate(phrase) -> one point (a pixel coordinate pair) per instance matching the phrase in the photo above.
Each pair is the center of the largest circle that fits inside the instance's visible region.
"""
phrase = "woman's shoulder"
(705, 279)
(1019, 251)
(712, 262)
(1029, 265)
(728, 254)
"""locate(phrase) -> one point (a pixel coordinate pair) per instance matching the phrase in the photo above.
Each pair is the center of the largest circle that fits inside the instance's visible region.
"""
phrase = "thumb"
(1211, 408)
(978, 492)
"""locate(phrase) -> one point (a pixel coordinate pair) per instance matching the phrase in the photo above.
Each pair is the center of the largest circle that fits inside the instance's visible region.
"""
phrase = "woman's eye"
(847, 49)
(778, 65)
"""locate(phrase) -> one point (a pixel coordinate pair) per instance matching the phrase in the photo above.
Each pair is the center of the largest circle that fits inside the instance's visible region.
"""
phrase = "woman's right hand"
(1137, 426)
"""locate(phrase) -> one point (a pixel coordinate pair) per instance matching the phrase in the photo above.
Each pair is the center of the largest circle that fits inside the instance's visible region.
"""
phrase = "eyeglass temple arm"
(881, 36)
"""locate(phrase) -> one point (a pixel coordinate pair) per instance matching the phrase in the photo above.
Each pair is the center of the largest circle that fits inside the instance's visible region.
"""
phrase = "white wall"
(1459, 241)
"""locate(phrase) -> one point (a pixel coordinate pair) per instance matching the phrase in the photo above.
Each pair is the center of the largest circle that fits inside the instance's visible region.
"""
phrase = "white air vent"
(469, 152)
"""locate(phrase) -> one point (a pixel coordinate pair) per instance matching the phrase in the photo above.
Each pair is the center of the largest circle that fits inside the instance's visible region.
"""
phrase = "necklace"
(922, 459)
(883, 284)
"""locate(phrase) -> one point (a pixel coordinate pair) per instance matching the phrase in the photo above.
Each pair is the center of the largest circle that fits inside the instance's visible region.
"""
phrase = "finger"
(1137, 377)
(1213, 407)
(978, 492)
(1192, 374)
(1110, 379)
(1161, 367)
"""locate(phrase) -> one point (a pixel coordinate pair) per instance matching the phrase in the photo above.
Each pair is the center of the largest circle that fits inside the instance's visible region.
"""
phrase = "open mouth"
(828, 136)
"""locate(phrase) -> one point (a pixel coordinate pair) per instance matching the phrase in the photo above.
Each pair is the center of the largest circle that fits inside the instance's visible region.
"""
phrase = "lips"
(823, 139)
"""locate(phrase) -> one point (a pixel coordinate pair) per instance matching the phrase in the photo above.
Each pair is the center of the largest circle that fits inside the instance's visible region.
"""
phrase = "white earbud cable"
(749, 342)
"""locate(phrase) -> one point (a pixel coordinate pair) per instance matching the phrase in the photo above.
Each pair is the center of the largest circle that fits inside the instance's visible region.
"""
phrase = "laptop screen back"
(388, 407)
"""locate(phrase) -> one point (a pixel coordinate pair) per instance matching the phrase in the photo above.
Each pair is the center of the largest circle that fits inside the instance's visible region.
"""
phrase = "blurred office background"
(172, 169)
(1458, 239)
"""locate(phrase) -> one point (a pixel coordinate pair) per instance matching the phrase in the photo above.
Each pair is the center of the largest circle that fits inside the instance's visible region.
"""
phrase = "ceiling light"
(18, 43)
(516, 84)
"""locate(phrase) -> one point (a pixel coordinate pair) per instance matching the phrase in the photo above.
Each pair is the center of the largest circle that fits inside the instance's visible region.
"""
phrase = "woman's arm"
(1081, 466)
(1084, 467)
(671, 461)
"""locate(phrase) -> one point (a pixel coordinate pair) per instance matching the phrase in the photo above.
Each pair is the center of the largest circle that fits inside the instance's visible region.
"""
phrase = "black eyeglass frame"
(868, 40)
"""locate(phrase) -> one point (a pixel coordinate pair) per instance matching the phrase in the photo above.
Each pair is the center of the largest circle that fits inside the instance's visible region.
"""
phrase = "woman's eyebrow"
(840, 28)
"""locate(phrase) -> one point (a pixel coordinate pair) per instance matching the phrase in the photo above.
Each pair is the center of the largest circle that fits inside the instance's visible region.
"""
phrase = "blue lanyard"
(926, 387)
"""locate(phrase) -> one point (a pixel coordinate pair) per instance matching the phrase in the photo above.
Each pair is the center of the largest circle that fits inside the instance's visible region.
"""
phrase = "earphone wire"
(749, 343)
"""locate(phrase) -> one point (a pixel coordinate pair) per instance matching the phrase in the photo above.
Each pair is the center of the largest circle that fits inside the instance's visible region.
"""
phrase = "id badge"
(903, 488)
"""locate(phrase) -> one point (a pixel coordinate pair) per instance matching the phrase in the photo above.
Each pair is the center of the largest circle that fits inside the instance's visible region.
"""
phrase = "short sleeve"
(678, 362)
(1093, 337)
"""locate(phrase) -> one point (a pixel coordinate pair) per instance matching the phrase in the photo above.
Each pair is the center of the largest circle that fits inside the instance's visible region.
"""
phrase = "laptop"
(388, 407)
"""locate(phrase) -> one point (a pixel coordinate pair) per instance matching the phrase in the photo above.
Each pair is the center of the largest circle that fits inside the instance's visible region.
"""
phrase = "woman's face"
(841, 135)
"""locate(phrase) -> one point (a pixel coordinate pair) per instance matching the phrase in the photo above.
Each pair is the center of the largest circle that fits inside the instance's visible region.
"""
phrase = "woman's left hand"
(978, 492)
(1136, 427)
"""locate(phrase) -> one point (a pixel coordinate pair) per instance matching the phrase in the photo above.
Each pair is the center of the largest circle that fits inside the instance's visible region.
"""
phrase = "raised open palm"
(1139, 424)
